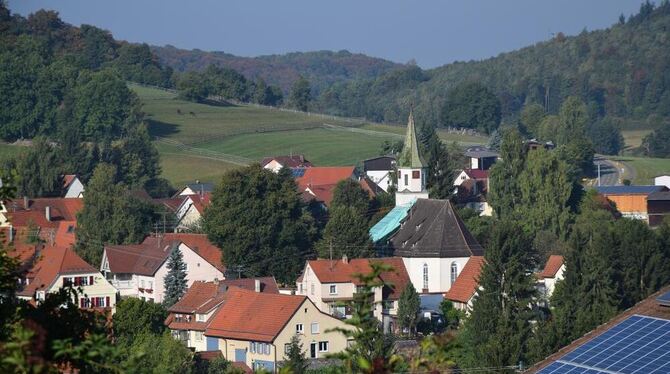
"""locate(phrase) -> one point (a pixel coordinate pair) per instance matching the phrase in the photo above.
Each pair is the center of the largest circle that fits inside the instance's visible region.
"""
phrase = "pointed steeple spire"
(410, 157)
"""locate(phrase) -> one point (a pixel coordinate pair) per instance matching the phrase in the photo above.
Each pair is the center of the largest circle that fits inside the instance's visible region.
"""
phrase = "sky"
(432, 32)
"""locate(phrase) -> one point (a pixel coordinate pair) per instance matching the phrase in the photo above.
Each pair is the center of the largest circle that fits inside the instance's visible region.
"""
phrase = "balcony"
(122, 284)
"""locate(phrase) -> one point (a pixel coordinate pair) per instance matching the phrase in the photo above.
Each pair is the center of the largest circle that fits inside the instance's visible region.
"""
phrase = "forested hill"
(622, 71)
(321, 68)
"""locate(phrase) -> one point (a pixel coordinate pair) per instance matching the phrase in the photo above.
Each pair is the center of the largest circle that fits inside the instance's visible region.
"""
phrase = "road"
(610, 173)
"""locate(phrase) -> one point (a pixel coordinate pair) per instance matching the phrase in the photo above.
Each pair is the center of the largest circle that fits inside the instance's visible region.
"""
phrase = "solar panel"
(298, 172)
(638, 344)
(664, 299)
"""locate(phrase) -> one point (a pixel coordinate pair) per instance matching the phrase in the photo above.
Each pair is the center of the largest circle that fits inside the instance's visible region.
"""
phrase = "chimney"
(345, 259)
(47, 213)
(25, 202)
(257, 285)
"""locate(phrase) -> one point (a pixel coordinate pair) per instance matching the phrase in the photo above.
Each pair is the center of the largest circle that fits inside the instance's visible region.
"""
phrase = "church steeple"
(410, 157)
(411, 168)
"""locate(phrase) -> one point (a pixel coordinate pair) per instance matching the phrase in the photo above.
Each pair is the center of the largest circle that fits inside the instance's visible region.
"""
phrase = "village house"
(472, 185)
(553, 272)
(633, 201)
(138, 270)
(320, 182)
(662, 180)
(381, 171)
(72, 187)
(277, 163)
(330, 283)
(256, 328)
(190, 211)
(464, 290)
(480, 158)
(43, 218)
(60, 266)
(188, 318)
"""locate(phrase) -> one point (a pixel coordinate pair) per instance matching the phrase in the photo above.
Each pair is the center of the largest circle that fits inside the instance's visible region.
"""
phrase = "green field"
(645, 169)
(202, 141)
(633, 138)
(8, 150)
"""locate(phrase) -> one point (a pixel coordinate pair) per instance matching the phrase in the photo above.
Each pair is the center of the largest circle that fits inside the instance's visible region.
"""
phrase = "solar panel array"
(298, 172)
(638, 344)
(664, 299)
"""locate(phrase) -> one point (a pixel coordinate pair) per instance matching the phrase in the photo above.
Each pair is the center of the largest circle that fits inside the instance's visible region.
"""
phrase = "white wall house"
(380, 170)
(662, 180)
(72, 186)
(553, 272)
(139, 270)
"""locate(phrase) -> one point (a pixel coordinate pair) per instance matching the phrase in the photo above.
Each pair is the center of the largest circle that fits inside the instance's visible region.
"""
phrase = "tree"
(452, 316)
(572, 121)
(505, 189)
(138, 159)
(606, 137)
(372, 351)
(471, 105)
(657, 144)
(294, 360)
(531, 118)
(346, 233)
(110, 215)
(257, 218)
(409, 306)
(175, 280)
(441, 166)
(39, 170)
(301, 94)
(498, 329)
(134, 316)
(349, 193)
(157, 353)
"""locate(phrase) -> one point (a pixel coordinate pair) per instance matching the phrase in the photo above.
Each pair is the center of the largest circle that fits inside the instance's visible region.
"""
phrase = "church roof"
(390, 222)
(410, 157)
(433, 229)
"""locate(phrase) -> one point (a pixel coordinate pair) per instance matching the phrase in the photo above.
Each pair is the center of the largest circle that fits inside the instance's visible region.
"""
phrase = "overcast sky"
(433, 32)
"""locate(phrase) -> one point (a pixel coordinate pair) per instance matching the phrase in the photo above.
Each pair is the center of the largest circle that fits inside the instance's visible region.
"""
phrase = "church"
(426, 233)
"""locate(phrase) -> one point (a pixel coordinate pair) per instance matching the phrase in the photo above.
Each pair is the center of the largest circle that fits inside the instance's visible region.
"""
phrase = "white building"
(412, 169)
(662, 180)
(553, 272)
(139, 270)
(72, 186)
(380, 170)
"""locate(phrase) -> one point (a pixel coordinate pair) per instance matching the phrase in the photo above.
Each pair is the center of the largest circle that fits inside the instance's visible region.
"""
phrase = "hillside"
(621, 72)
(322, 68)
(200, 141)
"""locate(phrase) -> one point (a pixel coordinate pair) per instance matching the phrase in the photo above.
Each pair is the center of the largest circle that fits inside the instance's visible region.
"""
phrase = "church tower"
(412, 168)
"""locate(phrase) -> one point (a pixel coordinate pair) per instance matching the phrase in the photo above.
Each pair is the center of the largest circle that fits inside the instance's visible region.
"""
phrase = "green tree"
(134, 316)
(346, 233)
(157, 353)
(39, 170)
(110, 215)
(256, 217)
(301, 94)
(505, 176)
(657, 144)
(138, 160)
(441, 166)
(175, 280)
(409, 305)
(349, 193)
(372, 351)
(531, 118)
(498, 329)
(606, 137)
(471, 105)
(294, 359)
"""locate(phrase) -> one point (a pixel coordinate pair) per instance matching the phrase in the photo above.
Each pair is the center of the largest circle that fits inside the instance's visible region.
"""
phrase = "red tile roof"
(18, 248)
(323, 193)
(467, 282)
(554, 263)
(198, 294)
(53, 262)
(209, 355)
(137, 258)
(477, 174)
(317, 176)
(339, 271)
(198, 243)
(293, 161)
(171, 203)
(68, 179)
(370, 187)
(65, 236)
(242, 366)
(249, 315)
(61, 209)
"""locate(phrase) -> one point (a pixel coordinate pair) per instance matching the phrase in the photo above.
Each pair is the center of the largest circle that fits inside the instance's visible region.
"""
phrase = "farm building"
(633, 201)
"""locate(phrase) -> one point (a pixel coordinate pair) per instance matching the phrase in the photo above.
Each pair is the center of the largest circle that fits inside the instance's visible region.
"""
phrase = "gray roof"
(433, 229)
(633, 190)
(201, 187)
(384, 163)
(480, 152)
(659, 195)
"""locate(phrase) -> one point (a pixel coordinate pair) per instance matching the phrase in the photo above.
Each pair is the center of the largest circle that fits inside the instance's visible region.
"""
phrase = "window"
(315, 327)
(425, 276)
(406, 180)
(287, 347)
(77, 281)
(333, 289)
(416, 174)
(267, 348)
(299, 328)
(252, 347)
(200, 317)
(323, 346)
(151, 285)
(198, 336)
(454, 272)
(311, 289)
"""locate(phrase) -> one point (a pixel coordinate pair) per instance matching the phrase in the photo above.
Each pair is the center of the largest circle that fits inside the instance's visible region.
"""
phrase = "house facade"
(256, 328)
(139, 270)
(59, 267)
(190, 211)
(277, 163)
(552, 273)
(662, 180)
(331, 283)
(72, 187)
(188, 318)
(381, 171)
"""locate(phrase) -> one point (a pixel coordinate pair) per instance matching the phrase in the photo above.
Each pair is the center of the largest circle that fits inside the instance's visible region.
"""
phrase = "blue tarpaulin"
(390, 223)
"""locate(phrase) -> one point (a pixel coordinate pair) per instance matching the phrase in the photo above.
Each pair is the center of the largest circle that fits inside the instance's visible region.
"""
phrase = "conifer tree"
(498, 329)
(408, 308)
(294, 360)
(505, 190)
(175, 279)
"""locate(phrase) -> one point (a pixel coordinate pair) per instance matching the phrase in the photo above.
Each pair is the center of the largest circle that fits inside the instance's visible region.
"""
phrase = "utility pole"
(330, 248)
(598, 173)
